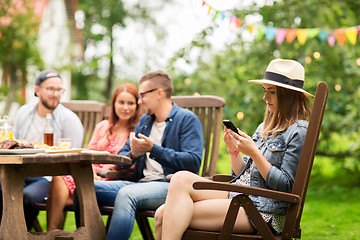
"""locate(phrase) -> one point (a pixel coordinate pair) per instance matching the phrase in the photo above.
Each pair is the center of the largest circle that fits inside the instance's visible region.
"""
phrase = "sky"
(137, 45)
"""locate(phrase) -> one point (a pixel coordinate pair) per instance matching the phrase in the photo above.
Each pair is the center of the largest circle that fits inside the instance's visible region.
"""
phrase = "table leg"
(90, 216)
(13, 225)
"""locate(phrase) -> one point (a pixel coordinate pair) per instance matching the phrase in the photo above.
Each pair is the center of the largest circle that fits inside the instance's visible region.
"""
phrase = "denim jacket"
(283, 152)
(182, 143)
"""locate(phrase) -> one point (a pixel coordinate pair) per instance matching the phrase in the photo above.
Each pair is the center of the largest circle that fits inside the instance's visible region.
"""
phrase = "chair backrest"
(306, 160)
(89, 112)
(209, 110)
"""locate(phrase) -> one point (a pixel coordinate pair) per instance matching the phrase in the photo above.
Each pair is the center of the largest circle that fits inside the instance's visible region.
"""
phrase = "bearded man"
(29, 125)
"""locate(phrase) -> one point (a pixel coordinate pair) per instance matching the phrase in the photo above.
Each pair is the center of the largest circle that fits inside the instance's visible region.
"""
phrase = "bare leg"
(59, 197)
(199, 209)
(179, 205)
(158, 219)
(210, 215)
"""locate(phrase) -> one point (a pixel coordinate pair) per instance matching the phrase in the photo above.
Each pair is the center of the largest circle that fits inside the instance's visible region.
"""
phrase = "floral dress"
(275, 220)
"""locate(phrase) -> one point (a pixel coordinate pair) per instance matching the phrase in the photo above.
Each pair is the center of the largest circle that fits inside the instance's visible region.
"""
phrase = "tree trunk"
(13, 86)
(109, 84)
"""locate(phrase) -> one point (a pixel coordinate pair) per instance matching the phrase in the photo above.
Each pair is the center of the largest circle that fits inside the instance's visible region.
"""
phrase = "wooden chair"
(296, 198)
(209, 109)
(89, 112)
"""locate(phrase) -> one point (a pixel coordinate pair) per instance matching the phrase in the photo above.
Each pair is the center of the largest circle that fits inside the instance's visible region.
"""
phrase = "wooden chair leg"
(37, 225)
(255, 217)
(108, 222)
(144, 227)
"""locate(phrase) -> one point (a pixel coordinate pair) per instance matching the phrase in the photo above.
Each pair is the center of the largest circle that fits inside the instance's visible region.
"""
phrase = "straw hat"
(285, 73)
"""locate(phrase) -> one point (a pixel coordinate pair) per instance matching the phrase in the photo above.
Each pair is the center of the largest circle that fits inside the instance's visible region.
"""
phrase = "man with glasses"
(167, 139)
(29, 125)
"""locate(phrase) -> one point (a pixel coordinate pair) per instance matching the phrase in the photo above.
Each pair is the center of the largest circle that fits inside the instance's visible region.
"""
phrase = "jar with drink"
(6, 132)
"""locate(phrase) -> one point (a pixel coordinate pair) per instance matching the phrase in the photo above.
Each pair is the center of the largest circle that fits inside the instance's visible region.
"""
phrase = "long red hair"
(113, 118)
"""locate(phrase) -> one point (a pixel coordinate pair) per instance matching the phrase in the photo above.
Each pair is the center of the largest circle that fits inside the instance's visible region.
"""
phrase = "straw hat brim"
(261, 81)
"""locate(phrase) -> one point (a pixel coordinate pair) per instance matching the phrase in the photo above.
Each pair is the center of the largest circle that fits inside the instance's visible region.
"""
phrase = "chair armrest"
(222, 177)
(123, 175)
(288, 197)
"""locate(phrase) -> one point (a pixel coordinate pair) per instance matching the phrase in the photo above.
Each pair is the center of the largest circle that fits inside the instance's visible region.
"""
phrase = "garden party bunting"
(302, 34)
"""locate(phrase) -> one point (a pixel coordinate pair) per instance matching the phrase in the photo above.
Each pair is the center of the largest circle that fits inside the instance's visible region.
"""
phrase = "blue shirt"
(182, 143)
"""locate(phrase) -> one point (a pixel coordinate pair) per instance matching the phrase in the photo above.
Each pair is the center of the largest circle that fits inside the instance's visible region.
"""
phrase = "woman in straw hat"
(270, 161)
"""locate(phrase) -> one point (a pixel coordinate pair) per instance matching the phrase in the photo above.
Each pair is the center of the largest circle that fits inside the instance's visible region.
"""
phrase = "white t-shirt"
(153, 170)
(35, 133)
(36, 129)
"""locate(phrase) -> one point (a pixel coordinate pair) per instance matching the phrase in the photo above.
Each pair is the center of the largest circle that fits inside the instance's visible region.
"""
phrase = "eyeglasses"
(143, 93)
(55, 90)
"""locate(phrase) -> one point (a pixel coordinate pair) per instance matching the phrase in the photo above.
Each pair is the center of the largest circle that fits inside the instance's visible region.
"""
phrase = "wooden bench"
(209, 109)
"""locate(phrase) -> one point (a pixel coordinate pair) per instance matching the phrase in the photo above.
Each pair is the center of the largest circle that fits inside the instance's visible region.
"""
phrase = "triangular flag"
(290, 35)
(312, 32)
(270, 33)
(302, 35)
(280, 35)
(340, 36)
(351, 34)
(260, 33)
(331, 40)
(222, 16)
(238, 22)
(323, 35)
(216, 13)
(203, 3)
(209, 10)
(251, 27)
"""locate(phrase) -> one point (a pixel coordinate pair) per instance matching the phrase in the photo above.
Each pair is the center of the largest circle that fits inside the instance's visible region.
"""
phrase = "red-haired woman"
(109, 135)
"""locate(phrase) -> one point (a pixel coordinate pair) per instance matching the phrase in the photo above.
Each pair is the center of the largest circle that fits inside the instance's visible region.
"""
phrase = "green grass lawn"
(332, 207)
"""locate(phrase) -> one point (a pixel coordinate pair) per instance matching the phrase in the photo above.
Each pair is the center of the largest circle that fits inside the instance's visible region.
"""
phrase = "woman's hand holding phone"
(229, 125)
(230, 140)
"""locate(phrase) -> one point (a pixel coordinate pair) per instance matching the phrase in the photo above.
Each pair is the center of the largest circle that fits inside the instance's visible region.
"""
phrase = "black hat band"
(283, 79)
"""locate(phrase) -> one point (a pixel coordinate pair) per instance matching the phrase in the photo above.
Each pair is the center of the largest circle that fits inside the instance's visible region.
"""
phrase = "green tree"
(18, 33)
(101, 20)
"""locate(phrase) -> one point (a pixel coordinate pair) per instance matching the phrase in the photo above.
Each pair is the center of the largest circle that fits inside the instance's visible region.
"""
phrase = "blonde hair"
(292, 106)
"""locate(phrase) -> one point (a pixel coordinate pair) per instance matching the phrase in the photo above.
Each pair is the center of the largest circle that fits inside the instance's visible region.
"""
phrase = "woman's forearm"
(237, 162)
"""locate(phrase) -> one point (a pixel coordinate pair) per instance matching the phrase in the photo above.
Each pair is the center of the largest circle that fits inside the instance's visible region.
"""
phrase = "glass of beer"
(64, 143)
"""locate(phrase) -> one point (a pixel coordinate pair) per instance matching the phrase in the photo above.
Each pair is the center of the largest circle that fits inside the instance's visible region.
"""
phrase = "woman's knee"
(57, 179)
(158, 217)
(183, 180)
(182, 177)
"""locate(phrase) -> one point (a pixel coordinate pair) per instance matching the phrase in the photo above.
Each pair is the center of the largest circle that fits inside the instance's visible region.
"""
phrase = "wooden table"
(14, 169)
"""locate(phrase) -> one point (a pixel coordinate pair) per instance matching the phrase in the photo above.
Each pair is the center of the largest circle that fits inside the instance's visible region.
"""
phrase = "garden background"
(319, 34)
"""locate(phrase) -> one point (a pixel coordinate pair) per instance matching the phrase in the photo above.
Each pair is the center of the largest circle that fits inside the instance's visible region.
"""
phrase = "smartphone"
(228, 124)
